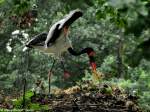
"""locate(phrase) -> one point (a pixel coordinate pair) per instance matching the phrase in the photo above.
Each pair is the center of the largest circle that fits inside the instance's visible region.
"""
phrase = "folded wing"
(56, 29)
(70, 18)
(38, 40)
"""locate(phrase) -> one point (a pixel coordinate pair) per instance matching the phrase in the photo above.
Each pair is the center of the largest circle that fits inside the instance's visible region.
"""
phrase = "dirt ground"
(84, 98)
(101, 98)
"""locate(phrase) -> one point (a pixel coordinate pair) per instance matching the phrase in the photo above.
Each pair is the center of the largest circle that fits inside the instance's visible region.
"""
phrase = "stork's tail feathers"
(37, 40)
(28, 45)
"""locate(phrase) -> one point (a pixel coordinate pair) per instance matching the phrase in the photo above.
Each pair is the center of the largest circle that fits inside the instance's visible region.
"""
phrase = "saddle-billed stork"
(56, 41)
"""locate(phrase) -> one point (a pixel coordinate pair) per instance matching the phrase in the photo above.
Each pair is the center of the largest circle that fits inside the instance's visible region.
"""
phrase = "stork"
(56, 41)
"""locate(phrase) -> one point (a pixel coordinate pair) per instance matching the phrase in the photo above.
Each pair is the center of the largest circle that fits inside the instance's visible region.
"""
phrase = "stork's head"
(91, 53)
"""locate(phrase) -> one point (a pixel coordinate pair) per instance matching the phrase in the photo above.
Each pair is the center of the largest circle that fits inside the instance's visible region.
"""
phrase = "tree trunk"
(120, 71)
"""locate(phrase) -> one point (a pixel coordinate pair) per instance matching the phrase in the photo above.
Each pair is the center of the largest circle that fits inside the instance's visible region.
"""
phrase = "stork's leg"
(66, 73)
(63, 67)
(49, 76)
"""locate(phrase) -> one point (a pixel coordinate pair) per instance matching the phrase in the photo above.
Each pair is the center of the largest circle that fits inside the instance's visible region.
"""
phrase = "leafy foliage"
(117, 30)
(18, 102)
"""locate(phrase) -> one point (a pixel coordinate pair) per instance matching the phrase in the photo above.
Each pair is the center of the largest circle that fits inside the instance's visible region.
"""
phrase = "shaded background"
(117, 30)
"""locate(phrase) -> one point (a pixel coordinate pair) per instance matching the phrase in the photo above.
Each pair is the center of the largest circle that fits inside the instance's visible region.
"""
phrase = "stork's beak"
(96, 75)
(93, 65)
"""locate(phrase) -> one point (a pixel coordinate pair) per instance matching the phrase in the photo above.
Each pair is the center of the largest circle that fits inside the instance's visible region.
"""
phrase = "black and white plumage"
(55, 42)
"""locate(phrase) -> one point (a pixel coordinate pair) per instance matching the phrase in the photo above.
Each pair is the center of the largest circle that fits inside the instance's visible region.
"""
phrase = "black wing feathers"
(72, 18)
(37, 40)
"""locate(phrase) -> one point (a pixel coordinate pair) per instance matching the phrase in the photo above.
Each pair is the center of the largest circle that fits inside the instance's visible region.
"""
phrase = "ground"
(85, 98)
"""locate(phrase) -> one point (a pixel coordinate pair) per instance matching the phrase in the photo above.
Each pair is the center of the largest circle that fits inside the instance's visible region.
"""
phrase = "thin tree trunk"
(120, 70)
(25, 77)
(24, 89)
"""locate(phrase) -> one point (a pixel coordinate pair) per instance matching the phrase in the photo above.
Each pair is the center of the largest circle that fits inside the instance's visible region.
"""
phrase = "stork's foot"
(66, 74)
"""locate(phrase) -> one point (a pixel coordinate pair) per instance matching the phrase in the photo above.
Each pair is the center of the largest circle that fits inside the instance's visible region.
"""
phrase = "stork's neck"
(89, 51)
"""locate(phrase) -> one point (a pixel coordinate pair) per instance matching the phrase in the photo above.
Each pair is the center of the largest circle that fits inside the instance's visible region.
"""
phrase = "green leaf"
(1, 1)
